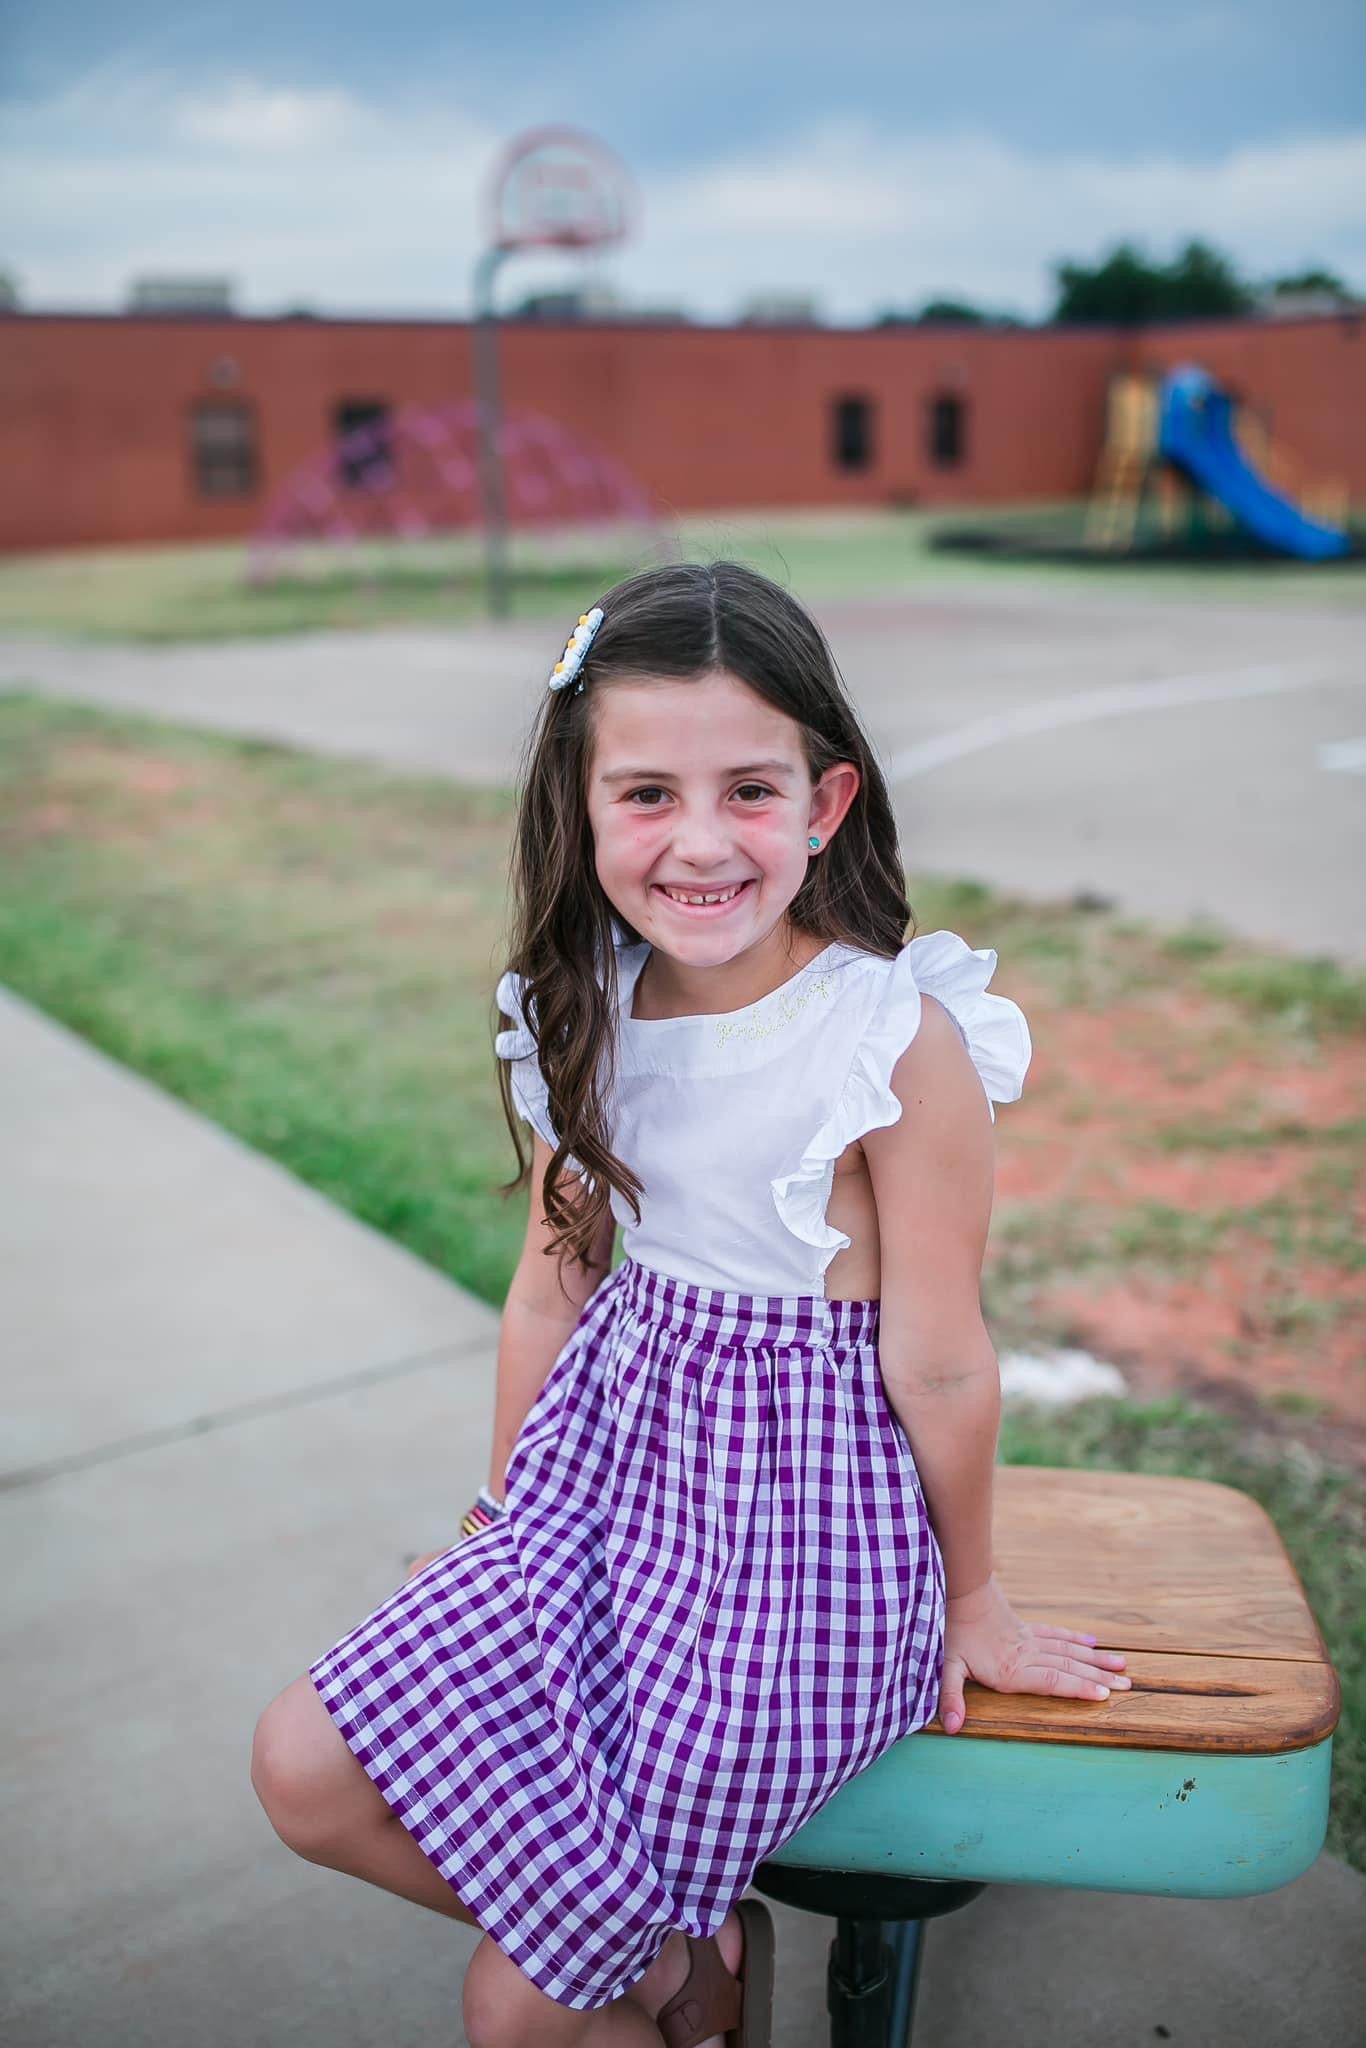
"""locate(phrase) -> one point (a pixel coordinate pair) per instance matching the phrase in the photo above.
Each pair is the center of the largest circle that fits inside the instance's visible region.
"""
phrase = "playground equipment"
(1187, 439)
(417, 474)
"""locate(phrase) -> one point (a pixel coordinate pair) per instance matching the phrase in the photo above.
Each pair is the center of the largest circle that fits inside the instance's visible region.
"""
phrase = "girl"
(744, 1539)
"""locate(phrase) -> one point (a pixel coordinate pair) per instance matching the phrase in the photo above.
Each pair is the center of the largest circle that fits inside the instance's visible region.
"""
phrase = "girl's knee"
(302, 1772)
(278, 1765)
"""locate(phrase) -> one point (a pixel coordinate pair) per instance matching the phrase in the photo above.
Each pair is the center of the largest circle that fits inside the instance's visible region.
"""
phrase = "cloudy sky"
(872, 154)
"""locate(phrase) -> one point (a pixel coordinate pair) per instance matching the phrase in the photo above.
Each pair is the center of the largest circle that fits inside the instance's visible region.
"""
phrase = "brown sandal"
(711, 2001)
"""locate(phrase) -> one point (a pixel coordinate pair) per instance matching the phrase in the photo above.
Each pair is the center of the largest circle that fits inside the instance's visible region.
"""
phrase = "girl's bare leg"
(324, 1807)
(503, 2010)
(321, 1804)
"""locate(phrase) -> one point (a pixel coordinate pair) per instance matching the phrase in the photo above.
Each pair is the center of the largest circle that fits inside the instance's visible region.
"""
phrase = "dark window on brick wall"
(852, 432)
(948, 431)
(365, 452)
(223, 448)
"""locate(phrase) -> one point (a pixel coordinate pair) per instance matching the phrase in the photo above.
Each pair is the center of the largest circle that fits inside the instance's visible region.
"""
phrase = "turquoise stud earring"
(814, 843)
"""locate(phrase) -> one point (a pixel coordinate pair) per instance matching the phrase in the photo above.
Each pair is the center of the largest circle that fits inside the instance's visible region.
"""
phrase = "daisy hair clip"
(576, 647)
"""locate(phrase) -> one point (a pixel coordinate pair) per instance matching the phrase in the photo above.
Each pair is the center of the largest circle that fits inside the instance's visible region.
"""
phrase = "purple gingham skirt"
(714, 1598)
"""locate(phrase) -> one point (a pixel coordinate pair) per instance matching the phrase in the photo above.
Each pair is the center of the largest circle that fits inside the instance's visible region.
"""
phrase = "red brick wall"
(94, 436)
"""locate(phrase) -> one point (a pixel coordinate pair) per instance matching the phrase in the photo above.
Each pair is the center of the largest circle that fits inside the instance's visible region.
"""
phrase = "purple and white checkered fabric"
(714, 1598)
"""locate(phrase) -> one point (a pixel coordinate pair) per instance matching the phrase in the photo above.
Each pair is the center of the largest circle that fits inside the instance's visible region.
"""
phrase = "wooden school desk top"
(1191, 1582)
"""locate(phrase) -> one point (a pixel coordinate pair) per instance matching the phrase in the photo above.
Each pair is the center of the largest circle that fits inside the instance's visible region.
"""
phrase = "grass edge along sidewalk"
(304, 950)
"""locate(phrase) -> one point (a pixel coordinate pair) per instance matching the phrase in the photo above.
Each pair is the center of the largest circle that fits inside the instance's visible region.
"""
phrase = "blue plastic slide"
(1196, 433)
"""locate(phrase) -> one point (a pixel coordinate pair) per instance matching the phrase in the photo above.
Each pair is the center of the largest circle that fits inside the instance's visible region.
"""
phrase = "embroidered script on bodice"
(750, 1029)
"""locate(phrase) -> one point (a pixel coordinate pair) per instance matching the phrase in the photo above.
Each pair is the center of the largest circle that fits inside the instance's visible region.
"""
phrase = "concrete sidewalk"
(233, 1415)
(421, 699)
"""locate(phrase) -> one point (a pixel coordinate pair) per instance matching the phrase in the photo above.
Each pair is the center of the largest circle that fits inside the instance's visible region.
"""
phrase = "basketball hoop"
(554, 188)
(559, 188)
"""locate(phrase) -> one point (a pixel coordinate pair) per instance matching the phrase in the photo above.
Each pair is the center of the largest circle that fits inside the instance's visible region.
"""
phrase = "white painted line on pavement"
(1347, 757)
(1117, 701)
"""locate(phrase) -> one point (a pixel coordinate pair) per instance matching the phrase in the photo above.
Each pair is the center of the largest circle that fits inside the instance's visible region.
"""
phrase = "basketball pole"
(486, 385)
(555, 188)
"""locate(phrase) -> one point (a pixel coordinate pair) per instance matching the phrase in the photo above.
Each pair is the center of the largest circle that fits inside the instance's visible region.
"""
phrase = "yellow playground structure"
(1193, 446)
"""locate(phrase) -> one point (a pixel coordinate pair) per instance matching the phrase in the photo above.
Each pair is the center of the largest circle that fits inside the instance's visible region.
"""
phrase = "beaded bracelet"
(485, 1512)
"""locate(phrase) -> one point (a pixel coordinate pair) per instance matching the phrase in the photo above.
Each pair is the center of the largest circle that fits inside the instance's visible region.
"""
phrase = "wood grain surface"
(1191, 1581)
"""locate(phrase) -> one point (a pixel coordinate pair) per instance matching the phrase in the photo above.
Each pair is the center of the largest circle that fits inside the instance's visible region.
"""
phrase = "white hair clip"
(576, 647)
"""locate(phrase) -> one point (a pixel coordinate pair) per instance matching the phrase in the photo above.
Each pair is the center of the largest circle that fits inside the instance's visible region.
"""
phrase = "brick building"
(162, 428)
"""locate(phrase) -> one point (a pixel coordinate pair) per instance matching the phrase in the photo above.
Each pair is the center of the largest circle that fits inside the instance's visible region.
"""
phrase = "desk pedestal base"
(874, 1969)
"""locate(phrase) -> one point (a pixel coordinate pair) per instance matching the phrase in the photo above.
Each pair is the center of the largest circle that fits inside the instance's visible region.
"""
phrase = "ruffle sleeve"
(993, 1028)
(517, 1045)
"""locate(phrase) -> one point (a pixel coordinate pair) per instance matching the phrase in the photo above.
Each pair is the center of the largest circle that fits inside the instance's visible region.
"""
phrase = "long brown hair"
(683, 620)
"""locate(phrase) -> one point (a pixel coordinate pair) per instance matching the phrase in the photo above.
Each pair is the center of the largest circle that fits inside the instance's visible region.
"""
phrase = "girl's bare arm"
(932, 1176)
(543, 1305)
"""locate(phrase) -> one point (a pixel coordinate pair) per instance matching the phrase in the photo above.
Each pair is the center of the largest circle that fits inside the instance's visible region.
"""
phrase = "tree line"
(1128, 288)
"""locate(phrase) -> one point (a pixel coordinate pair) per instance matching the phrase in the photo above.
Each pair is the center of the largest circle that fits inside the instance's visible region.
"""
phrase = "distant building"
(163, 426)
(570, 302)
(590, 302)
(780, 309)
(180, 295)
(663, 316)
(1302, 302)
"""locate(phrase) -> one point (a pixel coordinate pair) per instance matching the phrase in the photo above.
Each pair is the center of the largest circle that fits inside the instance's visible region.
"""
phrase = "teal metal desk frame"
(936, 1818)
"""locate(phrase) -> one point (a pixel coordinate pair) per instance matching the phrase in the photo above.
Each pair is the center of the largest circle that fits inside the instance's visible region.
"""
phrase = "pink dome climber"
(415, 474)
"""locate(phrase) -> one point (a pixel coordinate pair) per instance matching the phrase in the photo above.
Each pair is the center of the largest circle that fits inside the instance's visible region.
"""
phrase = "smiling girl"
(736, 1540)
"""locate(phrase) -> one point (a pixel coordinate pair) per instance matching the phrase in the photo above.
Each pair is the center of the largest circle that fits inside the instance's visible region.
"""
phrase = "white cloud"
(243, 115)
(314, 196)
(874, 221)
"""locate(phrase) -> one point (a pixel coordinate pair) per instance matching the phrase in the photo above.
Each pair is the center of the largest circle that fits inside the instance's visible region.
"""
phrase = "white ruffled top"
(734, 1122)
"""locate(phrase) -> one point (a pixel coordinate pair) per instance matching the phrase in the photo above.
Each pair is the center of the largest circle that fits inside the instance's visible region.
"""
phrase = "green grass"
(305, 950)
(1257, 1137)
(1293, 990)
(302, 950)
(171, 593)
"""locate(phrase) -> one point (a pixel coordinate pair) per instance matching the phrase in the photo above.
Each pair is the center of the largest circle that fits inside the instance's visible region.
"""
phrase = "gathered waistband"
(724, 1317)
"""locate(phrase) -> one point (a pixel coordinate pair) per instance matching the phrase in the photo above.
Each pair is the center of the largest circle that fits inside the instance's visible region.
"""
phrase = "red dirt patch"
(1274, 1305)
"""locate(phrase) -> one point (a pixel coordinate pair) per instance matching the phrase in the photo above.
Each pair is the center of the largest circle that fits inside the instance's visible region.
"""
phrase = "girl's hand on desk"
(985, 1639)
